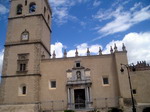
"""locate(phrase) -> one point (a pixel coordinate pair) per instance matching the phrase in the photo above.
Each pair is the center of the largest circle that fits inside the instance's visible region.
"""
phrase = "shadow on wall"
(147, 109)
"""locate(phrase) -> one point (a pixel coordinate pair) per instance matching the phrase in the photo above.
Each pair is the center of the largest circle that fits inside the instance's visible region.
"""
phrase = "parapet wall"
(88, 52)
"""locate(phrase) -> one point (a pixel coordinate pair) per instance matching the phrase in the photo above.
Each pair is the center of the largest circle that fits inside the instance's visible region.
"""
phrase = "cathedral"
(34, 80)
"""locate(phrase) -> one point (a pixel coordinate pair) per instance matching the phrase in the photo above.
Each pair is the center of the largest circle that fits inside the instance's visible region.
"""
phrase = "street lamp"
(133, 69)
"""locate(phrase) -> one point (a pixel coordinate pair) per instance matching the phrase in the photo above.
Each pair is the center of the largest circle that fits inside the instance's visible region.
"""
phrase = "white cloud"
(1, 60)
(136, 5)
(96, 3)
(122, 20)
(141, 15)
(58, 48)
(137, 45)
(83, 23)
(121, 23)
(3, 9)
(82, 49)
(122, 2)
(60, 9)
(111, 44)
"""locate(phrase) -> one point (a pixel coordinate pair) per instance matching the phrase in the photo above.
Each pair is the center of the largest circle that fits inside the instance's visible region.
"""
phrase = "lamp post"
(122, 70)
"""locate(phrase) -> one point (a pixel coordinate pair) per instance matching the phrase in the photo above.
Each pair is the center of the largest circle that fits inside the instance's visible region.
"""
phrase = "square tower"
(27, 42)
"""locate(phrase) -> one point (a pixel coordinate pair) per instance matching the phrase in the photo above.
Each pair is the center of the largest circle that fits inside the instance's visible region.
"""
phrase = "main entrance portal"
(79, 88)
(79, 96)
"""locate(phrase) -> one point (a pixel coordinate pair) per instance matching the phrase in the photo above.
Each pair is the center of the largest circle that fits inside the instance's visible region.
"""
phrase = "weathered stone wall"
(123, 84)
(103, 65)
(38, 26)
(2, 91)
(11, 57)
(141, 82)
(19, 108)
(36, 23)
(11, 90)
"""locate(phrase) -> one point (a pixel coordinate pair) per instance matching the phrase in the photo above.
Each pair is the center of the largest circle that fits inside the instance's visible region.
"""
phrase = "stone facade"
(140, 81)
(34, 82)
(19, 108)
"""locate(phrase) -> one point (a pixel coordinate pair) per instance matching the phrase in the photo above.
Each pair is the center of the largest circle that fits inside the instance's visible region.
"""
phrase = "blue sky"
(92, 24)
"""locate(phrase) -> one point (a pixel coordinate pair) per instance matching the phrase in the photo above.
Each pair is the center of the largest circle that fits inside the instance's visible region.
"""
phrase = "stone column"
(90, 97)
(87, 93)
(90, 94)
(72, 98)
(69, 100)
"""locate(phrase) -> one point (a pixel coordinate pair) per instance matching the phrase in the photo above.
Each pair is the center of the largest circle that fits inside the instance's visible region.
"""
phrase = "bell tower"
(29, 22)
(27, 42)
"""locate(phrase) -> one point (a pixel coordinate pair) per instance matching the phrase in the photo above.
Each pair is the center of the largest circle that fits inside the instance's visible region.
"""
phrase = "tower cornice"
(26, 43)
(26, 75)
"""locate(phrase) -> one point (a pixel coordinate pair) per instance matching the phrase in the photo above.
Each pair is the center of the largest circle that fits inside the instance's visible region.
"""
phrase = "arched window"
(23, 89)
(32, 7)
(19, 9)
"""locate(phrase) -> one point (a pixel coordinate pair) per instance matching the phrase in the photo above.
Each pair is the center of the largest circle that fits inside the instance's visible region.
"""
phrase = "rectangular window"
(105, 80)
(22, 67)
(53, 84)
(134, 91)
(78, 64)
(24, 90)
(25, 2)
(22, 62)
